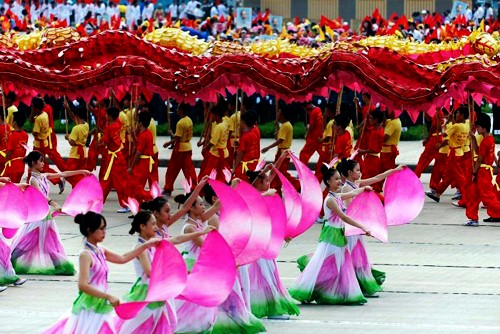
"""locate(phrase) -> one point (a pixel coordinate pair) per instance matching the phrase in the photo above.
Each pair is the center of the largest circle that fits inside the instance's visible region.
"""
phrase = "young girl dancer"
(92, 310)
(369, 279)
(156, 317)
(37, 248)
(193, 318)
(161, 209)
(233, 316)
(329, 277)
(268, 297)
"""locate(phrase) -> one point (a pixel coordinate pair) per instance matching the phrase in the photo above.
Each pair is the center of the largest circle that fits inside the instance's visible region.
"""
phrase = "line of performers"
(463, 150)
(339, 271)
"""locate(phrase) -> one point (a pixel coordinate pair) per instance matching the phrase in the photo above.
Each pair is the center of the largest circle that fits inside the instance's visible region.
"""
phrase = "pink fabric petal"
(227, 175)
(155, 190)
(293, 205)
(213, 174)
(168, 273)
(235, 221)
(133, 205)
(278, 220)
(185, 186)
(9, 233)
(311, 197)
(38, 207)
(14, 207)
(213, 274)
(86, 196)
(404, 197)
(367, 209)
(260, 165)
(130, 310)
(261, 224)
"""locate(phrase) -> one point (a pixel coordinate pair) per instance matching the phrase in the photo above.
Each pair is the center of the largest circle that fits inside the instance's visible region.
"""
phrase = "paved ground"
(441, 277)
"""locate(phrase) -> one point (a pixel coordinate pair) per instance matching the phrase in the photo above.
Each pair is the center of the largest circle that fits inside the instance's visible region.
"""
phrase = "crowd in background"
(217, 20)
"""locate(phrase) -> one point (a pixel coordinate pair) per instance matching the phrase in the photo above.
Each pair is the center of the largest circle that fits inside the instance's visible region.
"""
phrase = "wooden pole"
(472, 126)
(169, 125)
(4, 113)
(334, 133)
(236, 128)
(276, 123)
(363, 129)
(66, 114)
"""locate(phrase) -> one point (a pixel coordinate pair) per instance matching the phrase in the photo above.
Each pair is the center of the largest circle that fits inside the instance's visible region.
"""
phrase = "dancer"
(181, 158)
(43, 142)
(16, 150)
(142, 163)
(5, 131)
(77, 139)
(156, 317)
(193, 318)
(115, 164)
(268, 297)
(161, 209)
(454, 175)
(248, 153)
(374, 142)
(314, 133)
(482, 189)
(329, 278)
(369, 279)
(392, 134)
(37, 248)
(431, 143)
(92, 310)
(234, 315)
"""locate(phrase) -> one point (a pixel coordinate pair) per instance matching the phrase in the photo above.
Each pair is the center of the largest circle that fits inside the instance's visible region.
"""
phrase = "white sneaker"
(279, 317)
(3, 288)
(123, 210)
(20, 282)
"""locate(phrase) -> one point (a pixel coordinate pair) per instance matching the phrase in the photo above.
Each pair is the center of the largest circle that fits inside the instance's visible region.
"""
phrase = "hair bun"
(80, 218)
(181, 199)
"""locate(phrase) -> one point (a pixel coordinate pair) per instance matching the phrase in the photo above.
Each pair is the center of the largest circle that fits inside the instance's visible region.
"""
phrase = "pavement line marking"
(390, 324)
(414, 265)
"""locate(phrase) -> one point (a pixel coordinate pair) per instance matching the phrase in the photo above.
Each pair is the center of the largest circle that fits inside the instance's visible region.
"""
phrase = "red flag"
(376, 14)
(393, 17)
(297, 21)
(151, 25)
(81, 30)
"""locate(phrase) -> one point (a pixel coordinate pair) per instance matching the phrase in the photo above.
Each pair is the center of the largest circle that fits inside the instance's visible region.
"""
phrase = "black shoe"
(131, 217)
(491, 220)
(434, 197)
(61, 184)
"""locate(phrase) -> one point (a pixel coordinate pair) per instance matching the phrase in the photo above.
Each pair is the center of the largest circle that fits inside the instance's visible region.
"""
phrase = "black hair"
(464, 110)
(89, 222)
(181, 198)
(250, 118)
(155, 205)
(346, 165)
(113, 112)
(19, 118)
(38, 103)
(246, 102)
(184, 107)
(218, 110)
(342, 120)
(145, 118)
(253, 175)
(484, 121)
(11, 96)
(81, 112)
(32, 158)
(209, 194)
(331, 107)
(378, 115)
(286, 112)
(141, 218)
(327, 173)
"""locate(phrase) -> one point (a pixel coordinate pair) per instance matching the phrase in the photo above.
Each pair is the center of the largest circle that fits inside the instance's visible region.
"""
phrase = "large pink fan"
(168, 279)
(367, 209)
(213, 274)
(311, 197)
(261, 224)
(404, 197)
(235, 220)
(14, 207)
(293, 205)
(86, 196)
(278, 220)
(38, 206)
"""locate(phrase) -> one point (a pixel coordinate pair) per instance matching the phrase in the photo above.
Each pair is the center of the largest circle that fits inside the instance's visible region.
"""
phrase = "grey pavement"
(441, 278)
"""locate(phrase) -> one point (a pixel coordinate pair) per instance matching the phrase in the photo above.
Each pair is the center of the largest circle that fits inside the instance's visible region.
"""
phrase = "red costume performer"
(431, 144)
(314, 133)
(114, 168)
